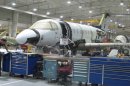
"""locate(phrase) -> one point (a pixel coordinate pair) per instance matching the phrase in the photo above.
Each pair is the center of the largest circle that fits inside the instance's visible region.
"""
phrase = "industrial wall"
(24, 20)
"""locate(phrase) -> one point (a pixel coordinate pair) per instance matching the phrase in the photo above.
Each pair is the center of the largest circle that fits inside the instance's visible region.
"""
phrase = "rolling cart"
(81, 71)
(24, 64)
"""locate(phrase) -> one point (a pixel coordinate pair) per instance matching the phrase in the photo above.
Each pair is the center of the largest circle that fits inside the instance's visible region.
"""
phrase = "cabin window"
(42, 25)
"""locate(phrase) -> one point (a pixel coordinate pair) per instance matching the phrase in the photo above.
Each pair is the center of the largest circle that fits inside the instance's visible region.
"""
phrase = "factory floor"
(6, 80)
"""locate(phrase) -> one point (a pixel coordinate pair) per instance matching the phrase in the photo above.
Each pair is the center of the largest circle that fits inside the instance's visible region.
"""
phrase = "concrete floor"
(6, 80)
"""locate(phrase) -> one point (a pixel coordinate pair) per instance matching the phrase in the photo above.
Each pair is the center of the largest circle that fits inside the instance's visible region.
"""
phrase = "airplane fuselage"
(49, 31)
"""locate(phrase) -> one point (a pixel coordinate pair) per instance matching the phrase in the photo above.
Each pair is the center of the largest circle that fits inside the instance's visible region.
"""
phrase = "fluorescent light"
(68, 2)
(121, 3)
(123, 25)
(119, 24)
(111, 20)
(127, 9)
(72, 19)
(90, 11)
(89, 17)
(13, 4)
(61, 17)
(119, 15)
(115, 22)
(80, 7)
(81, 22)
(88, 23)
(47, 13)
(34, 9)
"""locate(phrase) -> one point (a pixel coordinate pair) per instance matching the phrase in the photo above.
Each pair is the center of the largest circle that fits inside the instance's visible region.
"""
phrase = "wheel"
(49, 81)
(86, 84)
(43, 78)
(94, 85)
(11, 74)
(80, 84)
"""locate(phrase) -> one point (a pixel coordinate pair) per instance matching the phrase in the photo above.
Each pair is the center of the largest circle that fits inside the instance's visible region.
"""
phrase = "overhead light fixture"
(127, 9)
(90, 11)
(115, 22)
(68, 2)
(111, 20)
(89, 17)
(61, 17)
(88, 23)
(47, 13)
(34, 9)
(119, 24)
(109, 31)
(123, 25)
(13, 4)
(121, 3)
(72, 19)
(80, 7)
(81, 22)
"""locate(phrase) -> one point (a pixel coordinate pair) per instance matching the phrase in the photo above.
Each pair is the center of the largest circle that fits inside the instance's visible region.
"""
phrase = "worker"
(120, 55)
(2, 43)
(120, 52)
(86, 53)
(64, 70)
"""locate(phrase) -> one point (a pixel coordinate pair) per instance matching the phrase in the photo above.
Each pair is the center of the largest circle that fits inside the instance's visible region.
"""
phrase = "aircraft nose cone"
(23, 37)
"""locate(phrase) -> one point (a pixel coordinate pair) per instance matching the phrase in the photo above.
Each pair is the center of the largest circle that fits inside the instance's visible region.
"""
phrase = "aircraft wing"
(3, 33)
(10, 40)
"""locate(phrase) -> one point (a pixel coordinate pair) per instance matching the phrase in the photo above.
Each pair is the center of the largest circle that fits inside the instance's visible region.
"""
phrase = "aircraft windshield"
(41, 25)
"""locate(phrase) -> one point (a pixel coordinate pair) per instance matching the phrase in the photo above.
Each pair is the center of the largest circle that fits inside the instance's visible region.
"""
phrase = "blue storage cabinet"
(50, 69)
(96, 70)
(24, 64)
(110, 71)
(80, 70)
(117, 72)
(6, 62)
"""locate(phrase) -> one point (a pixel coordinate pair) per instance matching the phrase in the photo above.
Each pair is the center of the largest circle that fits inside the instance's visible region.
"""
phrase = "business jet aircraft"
(48, 32)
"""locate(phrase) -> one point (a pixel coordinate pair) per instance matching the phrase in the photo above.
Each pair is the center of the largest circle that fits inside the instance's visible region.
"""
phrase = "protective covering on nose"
(28, 36)
(121, 39)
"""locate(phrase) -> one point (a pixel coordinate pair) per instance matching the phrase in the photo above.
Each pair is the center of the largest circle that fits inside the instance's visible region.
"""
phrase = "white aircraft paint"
(50, 32)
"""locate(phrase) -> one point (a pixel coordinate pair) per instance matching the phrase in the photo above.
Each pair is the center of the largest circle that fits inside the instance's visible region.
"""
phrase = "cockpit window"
(41, 25)
(54, 26)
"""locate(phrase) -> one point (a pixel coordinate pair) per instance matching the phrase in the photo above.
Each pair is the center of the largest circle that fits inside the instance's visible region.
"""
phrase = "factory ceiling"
(77, 9)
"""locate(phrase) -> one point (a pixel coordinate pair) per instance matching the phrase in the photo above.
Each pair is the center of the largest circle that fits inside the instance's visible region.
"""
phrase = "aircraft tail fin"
(103, 22)
(104, 17)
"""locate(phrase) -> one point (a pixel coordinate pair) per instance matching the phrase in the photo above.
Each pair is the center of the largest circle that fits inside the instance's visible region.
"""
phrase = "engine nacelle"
(121, 39)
